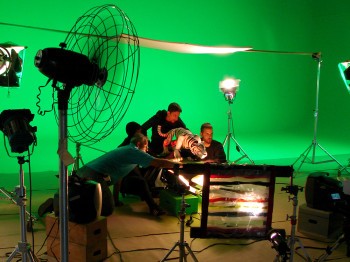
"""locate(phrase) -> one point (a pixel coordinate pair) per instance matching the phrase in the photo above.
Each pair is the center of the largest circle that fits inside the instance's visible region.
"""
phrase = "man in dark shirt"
(162, 122)
(214, 148)
(131, 129)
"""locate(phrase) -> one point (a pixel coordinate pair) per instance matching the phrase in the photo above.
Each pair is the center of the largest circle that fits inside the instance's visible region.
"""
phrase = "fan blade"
(180, 47)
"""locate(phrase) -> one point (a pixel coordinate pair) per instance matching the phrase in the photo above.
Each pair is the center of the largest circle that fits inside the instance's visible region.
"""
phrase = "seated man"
(215, 150)
(116, 164)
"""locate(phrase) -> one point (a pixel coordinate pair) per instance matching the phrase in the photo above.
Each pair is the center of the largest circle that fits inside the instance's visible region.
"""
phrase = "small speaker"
(84, 201)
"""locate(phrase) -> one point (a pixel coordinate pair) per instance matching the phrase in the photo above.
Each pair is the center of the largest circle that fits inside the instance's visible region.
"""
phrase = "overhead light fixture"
(345, 73)
(11, 64)
(229, 86)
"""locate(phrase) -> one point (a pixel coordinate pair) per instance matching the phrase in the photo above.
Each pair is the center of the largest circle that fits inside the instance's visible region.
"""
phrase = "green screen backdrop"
(273, 113)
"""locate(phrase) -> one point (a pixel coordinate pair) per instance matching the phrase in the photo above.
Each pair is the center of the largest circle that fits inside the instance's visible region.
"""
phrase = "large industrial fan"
(95, 80)
(94, 76)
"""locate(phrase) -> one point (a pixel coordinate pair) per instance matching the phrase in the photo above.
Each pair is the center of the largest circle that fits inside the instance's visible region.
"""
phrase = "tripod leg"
(333, 158)
(303, 156)
(330, 249)
(313, 146)
(191, 252)
(241, 149)
(170, 251)
(24, 249)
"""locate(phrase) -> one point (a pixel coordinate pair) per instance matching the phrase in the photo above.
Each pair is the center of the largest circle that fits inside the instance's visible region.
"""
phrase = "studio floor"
(134, 235)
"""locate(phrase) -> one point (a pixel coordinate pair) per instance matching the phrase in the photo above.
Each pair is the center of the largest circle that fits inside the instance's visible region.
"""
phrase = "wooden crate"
(86, 242)
(81, 234)
(94, 252)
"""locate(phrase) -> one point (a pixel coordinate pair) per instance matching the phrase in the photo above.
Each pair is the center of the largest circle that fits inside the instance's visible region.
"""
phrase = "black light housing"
(278, 239)
(69, 67)
(15, 125)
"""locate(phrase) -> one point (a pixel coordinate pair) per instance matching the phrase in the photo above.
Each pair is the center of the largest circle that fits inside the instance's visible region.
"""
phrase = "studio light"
(15, 125)
(345, 73)
(229, 86)
(11, 64)
(69, 67)
(278, 240)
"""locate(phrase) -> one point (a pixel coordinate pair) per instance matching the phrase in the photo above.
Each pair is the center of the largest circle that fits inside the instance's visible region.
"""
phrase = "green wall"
(273, 112)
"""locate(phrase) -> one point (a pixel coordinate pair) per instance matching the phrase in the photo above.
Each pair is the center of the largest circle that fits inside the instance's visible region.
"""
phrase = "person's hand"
(177, 155)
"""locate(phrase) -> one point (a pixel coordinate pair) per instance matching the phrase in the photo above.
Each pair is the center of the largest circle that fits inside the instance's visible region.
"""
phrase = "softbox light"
(11, 64)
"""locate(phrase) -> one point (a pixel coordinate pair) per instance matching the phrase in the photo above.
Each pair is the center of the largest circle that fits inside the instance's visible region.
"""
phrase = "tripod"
(78, 157)
(293, 190)
(31, 219)
(314, 145)
(23, 246)
(182, 244)
(230, 136)
(330, 249)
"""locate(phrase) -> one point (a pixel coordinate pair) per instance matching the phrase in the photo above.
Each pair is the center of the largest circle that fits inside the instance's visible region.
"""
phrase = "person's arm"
(154, 120)
(159, 162)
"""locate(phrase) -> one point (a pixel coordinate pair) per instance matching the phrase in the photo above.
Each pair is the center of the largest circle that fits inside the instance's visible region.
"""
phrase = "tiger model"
(185, 139)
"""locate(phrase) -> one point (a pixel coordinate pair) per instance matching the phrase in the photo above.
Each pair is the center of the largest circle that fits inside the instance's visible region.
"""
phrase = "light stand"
(31, 219)
(23, 246)
(78, 157)
(314, 145)
(182, 244)
(15, 125)
(292, 239)
(230, 136)
(330, 249)
(229, 87)
(72, 70)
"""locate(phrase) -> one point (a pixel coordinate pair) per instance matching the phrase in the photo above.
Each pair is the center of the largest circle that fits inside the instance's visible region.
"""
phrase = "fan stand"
(230, 136)
(63, 97)
(314, 145)
(23, 246)
(182, 244)
(78, 157)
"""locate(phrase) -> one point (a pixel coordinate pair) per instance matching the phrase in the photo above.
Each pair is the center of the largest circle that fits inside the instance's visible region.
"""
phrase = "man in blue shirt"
(114, 165)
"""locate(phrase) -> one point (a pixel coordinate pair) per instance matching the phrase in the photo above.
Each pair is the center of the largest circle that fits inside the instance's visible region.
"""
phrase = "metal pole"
(230, 136)
(23, 247)
(63, 190)
(314, 144)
